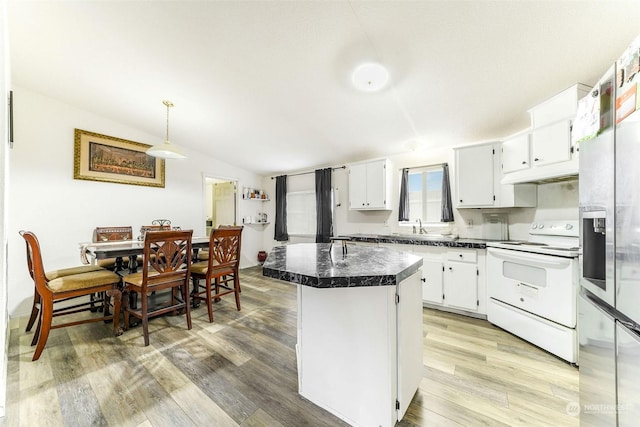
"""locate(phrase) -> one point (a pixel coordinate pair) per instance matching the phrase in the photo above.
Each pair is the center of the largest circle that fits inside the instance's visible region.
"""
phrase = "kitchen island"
(359, 348)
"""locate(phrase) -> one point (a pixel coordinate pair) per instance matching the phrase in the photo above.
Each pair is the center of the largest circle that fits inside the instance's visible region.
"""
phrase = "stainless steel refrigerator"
(609, 299)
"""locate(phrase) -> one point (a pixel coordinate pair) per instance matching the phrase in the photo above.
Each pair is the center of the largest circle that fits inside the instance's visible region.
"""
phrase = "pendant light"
(166, 150)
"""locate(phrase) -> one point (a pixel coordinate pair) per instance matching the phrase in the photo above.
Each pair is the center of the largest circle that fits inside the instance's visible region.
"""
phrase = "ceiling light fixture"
(370, 77)
(166, 150)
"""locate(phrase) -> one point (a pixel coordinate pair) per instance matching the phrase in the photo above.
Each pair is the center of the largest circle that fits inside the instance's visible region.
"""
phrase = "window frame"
(424, 170)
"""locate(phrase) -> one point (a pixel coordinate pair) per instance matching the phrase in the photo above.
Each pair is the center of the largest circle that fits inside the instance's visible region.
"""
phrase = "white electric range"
(532, 286)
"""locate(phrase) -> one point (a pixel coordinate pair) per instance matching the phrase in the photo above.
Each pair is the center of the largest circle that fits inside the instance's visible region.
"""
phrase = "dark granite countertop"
(313, 264)
(419, 239)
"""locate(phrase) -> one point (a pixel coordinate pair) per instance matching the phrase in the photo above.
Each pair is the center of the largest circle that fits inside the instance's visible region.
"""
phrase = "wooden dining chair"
(167, 261)
(92, 304)
(113, 234)
(66, 284)
(220, 269)
(204, 256)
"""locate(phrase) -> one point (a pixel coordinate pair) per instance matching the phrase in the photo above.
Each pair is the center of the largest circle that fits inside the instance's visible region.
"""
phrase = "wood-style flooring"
(241, 371)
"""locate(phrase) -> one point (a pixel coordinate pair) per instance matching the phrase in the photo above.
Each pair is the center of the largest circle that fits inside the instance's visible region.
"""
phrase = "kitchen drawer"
(462, 255)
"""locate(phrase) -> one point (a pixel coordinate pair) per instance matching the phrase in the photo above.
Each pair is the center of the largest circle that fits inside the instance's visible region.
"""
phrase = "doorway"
(220, 202)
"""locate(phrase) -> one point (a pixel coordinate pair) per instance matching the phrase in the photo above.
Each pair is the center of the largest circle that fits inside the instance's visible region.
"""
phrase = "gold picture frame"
(104, 158)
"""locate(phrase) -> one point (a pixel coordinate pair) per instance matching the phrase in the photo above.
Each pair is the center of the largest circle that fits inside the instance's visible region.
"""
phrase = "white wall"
(44, 197)
(555, 201)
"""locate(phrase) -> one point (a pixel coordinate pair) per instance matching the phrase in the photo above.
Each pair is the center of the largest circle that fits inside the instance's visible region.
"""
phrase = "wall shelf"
(256, 223)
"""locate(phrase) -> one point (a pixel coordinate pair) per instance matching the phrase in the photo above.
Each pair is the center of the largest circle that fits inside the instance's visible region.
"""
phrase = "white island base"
(359, 352)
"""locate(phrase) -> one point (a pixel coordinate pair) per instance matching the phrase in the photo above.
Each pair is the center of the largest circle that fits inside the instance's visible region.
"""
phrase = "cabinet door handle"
(524, 163)
(460, 255)
(450, 268)
(424, 280)
(536, 159)
(460, 200)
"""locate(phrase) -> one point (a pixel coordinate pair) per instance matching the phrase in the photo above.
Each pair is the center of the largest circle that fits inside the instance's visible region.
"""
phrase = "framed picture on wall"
(106, 158)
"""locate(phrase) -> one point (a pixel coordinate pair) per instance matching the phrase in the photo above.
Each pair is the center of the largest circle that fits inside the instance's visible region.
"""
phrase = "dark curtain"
(280, 233)
(403, 209)
(447, 208)
(324, 223)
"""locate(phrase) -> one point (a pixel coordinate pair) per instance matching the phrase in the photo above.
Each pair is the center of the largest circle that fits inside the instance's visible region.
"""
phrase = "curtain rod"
(306, 173)
(427, 166)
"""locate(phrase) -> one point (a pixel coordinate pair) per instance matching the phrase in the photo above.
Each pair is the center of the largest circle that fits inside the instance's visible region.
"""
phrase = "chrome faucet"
(422, 230)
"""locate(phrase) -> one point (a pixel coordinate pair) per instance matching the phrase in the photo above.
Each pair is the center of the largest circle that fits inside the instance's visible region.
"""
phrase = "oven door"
(544, 285)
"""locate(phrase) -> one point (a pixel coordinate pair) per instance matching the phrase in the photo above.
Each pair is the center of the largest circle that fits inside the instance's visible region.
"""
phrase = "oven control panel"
(567, 228)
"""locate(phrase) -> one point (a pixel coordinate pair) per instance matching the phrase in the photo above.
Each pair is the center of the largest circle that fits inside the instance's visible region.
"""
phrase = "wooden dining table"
(131, 249)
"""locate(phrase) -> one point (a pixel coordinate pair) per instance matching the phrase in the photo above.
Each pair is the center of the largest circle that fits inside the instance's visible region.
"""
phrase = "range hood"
(555, 172)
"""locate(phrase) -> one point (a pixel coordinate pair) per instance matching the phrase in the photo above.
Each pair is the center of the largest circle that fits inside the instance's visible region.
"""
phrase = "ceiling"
(265, 85)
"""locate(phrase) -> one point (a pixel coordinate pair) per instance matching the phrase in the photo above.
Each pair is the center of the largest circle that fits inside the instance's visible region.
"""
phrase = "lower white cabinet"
(432, 282)
(453, 279)
(461, 280)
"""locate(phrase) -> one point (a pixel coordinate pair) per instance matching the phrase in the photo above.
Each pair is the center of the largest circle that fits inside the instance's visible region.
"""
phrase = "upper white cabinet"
(562, 106)
(551, 143)
(369, 184)
(548, 143)
(515, 153)
(475, 176)
(478, 178)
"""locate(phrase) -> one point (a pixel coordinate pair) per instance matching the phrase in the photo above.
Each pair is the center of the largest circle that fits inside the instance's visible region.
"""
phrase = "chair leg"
(106, 300)
(125, 314)
(34, 313)
(36, 334)
(117, 301)
(207, 288)
(93, 308)
(185, 295)
(145, 319)
(236, 290)
(46, 308)
(195, 299)
(217, 290)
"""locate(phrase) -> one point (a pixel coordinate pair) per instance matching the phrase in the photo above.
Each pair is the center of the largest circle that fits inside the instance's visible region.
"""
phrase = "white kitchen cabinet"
(478, 175)
(369, 185)
(552, 155)
(551, 143)
(432, 284)
(515, 153)
(461, 285)
(453, 279)
(563, 105)
(551, 152)
(475, 175)
(432, 269)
